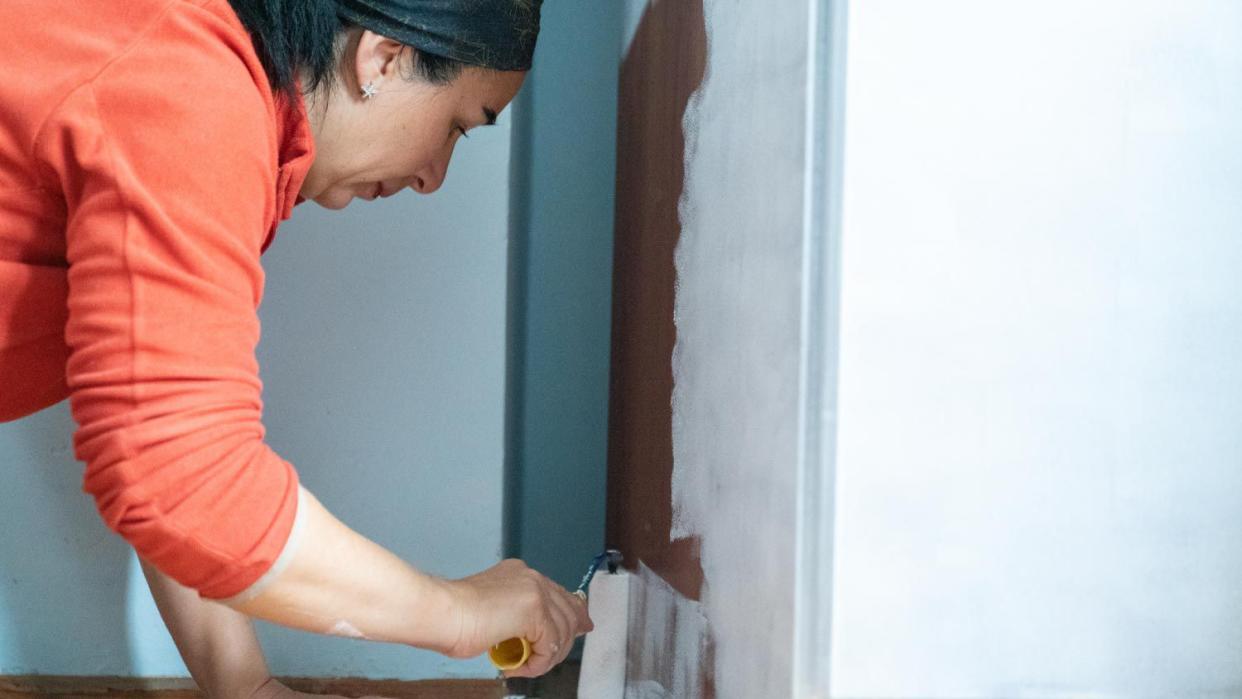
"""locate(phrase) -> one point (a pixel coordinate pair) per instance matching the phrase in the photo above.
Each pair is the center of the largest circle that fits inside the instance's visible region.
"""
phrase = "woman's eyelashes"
(462, 130)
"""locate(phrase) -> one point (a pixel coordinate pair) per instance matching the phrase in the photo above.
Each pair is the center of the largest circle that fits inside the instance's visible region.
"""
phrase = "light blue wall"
(564, 184)
(383, 361)
(385, 380)
(63, 576)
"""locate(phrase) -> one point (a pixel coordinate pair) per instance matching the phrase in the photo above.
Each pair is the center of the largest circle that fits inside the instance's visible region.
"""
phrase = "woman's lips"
(376, 191)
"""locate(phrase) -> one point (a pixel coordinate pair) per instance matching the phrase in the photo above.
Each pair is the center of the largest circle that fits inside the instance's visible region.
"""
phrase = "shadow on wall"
(63, 574)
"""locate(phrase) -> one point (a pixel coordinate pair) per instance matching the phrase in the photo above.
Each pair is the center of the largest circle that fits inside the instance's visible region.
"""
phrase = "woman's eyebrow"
(490, 115)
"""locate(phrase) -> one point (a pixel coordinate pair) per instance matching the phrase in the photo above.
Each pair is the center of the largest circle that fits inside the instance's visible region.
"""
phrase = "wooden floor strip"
(75, 687)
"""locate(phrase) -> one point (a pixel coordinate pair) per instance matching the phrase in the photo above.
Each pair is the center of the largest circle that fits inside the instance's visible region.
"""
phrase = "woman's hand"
(510, 600)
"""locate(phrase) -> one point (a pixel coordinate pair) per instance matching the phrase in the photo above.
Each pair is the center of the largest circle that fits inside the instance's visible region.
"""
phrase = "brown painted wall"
(664, 66)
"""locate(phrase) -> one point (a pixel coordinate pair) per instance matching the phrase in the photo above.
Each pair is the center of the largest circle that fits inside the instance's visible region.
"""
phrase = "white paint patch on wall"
(1040, 449)
(736, 361)
(667, 640)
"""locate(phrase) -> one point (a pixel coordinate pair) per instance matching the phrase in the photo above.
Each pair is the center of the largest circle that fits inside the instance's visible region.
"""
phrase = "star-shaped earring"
(368, 91)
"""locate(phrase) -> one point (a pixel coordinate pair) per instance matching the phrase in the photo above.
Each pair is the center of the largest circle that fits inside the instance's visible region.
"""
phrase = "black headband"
(497, 34)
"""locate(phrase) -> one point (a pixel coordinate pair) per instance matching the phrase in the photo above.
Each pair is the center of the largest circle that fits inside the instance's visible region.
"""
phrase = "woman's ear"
(377, 59)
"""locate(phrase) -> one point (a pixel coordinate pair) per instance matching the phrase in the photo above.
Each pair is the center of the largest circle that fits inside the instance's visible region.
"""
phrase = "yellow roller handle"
(513, 653)
(510, 654)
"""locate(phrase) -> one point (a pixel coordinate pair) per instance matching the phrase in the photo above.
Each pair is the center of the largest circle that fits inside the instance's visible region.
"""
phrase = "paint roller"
(513, 653)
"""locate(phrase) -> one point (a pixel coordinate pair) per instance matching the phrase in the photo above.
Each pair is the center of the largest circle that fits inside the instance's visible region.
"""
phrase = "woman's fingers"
(542, 656)
(567, 605)
(573, 607)
(585, 623)
(558, 645)
(563, 622)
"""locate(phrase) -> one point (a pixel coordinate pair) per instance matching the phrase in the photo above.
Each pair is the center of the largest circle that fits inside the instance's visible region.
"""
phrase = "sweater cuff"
(282, 561)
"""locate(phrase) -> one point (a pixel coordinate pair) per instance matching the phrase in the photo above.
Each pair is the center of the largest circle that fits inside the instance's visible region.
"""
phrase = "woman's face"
(405, 134)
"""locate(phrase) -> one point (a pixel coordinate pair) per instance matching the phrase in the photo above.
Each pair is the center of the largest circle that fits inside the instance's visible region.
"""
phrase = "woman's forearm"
(336, 581)
(341, 583)
(218, 644)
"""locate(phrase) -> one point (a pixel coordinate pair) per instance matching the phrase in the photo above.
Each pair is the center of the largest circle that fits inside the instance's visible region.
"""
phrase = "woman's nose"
(431, 179)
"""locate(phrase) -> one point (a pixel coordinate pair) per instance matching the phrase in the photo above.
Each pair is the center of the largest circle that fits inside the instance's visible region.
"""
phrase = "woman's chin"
(334, 199)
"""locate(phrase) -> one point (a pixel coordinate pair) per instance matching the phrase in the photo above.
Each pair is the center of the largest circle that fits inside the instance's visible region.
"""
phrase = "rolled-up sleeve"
(167, 172)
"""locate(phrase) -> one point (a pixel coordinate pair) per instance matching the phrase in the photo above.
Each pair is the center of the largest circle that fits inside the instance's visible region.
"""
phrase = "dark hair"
(295, 36)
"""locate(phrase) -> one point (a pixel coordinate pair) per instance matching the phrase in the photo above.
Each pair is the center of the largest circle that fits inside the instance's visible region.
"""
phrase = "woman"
(148, 150)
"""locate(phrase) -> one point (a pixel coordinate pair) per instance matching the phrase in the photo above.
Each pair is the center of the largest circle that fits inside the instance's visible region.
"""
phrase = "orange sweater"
(144, 166)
